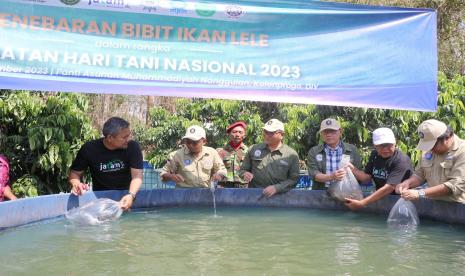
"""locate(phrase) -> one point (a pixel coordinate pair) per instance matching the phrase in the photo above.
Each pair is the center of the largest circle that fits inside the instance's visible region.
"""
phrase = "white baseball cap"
(383, 135)
(195, 133)
(273, 125)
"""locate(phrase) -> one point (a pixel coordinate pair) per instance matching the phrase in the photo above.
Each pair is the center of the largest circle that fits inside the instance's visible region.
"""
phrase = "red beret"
(235, 124)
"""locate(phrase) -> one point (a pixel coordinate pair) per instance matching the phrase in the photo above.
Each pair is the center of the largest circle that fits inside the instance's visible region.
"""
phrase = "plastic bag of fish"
(95, 212)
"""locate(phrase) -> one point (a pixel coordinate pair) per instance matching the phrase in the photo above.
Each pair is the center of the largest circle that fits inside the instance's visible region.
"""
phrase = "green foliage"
(166, 129)
(302, 122)
(26, 186)
(41, 134)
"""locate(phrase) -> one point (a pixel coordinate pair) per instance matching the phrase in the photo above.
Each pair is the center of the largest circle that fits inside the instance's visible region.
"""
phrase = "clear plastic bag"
(403, 213)
(95, 212)
(348, 187)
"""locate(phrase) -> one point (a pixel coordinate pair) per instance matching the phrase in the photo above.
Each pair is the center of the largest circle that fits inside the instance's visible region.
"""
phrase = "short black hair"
(114, 125)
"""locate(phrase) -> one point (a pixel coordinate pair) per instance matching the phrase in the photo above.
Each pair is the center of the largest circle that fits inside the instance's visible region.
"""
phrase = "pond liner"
(31, 210)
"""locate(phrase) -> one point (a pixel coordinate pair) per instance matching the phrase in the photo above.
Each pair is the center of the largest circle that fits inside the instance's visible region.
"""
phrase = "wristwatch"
(421, 193)
(132, 194)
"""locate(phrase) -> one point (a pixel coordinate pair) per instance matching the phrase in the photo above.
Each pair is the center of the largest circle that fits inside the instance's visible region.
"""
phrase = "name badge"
(257, 153)
(187, 162)
(319, 157)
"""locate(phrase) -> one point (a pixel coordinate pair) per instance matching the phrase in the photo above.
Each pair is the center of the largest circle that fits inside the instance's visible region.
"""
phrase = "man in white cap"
(386, 167)
(324, 160)
(442, 165)
(271, 165)
(194, 165)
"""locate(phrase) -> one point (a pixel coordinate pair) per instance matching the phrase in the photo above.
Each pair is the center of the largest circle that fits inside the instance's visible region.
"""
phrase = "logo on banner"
(205, 10)
(70, 2)
(149, 5)
(177, 7)
(110, 3)
(234, 11)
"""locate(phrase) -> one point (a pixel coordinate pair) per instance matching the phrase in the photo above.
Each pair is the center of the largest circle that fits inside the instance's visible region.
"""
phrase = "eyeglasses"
(270, 133)
(192, 142)
(383, 146)
(329, 131)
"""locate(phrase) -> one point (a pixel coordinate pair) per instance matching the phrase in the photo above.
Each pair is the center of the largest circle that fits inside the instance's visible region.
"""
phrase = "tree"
(41, 134)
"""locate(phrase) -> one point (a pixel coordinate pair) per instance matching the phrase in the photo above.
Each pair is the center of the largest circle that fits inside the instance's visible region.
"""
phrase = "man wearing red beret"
(232, 155)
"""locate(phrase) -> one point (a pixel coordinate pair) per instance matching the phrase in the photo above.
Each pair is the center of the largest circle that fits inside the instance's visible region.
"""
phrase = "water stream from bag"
(213, 185)
(240, 241)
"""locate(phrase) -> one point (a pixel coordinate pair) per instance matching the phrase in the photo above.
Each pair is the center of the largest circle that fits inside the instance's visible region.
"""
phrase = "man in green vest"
(271, 165)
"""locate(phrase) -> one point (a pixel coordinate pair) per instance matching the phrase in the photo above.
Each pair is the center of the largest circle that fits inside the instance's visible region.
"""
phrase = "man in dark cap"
(232, 155)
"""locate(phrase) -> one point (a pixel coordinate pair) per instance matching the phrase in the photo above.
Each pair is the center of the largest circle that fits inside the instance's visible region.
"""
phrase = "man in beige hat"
(442, 165)
(271, 165)
(194, 165)
(324, 160)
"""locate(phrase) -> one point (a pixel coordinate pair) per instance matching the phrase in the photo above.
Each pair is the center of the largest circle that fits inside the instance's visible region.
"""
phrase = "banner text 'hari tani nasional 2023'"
(291, 51)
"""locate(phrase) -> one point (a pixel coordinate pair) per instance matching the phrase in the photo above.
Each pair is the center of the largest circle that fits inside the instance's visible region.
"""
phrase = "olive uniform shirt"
(196, 171)
(316, 161)
(447, 169)
(279, 167)
(232, 160)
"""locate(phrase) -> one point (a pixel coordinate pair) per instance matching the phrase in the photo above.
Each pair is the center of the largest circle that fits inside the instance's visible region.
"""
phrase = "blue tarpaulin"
(284, 51)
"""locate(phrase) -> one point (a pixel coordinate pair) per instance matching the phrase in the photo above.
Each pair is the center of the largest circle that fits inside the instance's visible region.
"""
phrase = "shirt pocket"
(190, 169)
(257, 163)
(207, 166)
(281, 168)
(427, 166)
(447, 167)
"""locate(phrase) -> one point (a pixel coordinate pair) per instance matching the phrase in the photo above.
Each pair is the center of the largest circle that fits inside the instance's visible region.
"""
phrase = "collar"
(230, 145)
(456, 144)
(339, 146)
(264, 146)
(277, 149)
(201, 153)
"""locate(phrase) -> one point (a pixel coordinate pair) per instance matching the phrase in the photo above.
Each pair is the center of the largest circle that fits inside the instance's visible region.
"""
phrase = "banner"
(284, 51)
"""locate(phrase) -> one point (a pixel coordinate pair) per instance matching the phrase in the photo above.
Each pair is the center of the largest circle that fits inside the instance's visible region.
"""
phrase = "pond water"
(238, 241)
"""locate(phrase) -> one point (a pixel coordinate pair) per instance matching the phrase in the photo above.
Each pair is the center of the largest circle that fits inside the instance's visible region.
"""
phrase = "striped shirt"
(333, 160)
